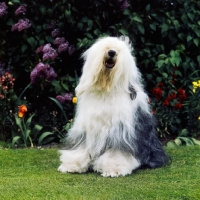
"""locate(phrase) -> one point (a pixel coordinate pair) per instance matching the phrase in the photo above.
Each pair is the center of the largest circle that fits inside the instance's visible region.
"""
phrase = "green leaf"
(10, 22)
(49, 39)
(160, 63)
(80, 25)
(137, 18)
(123, 31)
(141, 28)
(162, 57)
(18, 122)
(57, 86)
(35, 131)
(28, 122)
(178, 142)
(66, 87)
(196, 41)
(127, 12)
(171, 144)
(165, 75)
(15, 139)
(148, 7)
(15, 1)
(32, 41)
(198, 58)
(164, 28)
(189, 37)
(90, 24)
(176, 24)
(184, 132)
(187, 141)
(43, 136)
(60, 106)
(84, 19)
(197, 142)
(153, 26)
(191, 16)
(27, 133)
(42, 10)
(50, 12)
(67, 13)
(177, 61)
(23, 48)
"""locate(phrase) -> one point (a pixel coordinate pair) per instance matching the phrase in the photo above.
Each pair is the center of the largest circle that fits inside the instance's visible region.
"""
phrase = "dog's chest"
(106, 109)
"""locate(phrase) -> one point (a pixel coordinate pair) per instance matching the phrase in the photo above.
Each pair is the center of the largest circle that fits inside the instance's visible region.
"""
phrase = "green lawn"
(27, 174)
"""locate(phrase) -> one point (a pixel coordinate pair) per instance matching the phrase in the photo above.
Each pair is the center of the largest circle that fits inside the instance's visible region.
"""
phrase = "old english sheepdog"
(114, 130)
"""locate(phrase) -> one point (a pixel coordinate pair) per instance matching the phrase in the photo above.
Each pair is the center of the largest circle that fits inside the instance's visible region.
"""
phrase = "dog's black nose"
(111, 53)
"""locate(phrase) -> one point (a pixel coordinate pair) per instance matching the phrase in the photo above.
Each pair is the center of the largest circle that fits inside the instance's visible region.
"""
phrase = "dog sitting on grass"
(114, 130)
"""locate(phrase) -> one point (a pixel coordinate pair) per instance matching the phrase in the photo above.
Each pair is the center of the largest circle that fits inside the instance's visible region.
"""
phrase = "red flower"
(171, 96)
(157, 92)
(166, 103)
(178, 106)
(181, 94)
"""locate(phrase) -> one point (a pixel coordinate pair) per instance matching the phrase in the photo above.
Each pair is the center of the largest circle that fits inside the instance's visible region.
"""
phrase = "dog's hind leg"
(75, 161)
(115, 163)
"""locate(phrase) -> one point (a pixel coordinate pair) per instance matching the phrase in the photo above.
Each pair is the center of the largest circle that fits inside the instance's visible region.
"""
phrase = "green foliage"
(24, 129)
(165, 36)
(25, 134)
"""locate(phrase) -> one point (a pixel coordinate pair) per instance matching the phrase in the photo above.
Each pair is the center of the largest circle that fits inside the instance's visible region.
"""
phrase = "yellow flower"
(74, 100)
(199, 118)
(22, 110)
(195, 84)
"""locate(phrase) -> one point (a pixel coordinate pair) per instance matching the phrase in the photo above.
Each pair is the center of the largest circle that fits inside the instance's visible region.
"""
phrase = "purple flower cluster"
(59, 40)
(63, 47)
(21, 25)
(48, 52)
(123, 4)
(55, 33)
(63, 99)
(21, 9)
(3, 8)
(51, 26)
(42, 72)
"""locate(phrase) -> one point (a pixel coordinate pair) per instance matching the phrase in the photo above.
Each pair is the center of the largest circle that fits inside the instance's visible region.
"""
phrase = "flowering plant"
(192, 109)
(8, 100)
(167, 102)
(26, 133)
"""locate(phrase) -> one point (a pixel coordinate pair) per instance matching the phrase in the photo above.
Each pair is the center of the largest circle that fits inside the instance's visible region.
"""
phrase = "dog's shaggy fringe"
(114, 130)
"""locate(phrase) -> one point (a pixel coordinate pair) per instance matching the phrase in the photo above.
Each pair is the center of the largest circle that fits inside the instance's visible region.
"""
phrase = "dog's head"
(108, 62)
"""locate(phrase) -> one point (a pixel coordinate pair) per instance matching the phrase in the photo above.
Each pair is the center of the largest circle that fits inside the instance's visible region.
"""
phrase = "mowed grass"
(32, 174)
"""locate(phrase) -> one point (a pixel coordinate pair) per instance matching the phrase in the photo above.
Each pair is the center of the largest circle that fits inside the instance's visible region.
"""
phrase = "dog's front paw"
(71, 169)
(62, 169)
(113, 173)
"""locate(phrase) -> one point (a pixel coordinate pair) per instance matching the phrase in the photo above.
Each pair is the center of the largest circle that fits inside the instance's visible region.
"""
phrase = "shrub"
(41, 44)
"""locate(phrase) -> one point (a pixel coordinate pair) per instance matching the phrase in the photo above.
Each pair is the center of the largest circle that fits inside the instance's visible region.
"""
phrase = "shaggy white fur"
(113, 132)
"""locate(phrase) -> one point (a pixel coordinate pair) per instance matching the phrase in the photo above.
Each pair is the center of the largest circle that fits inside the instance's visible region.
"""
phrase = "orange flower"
(22, 110)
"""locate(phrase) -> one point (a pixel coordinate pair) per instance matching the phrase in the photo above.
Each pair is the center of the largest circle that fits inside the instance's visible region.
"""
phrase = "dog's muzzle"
(110, 59)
